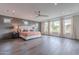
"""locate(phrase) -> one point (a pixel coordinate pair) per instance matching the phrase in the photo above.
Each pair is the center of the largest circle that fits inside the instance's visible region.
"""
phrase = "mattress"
(30, 35)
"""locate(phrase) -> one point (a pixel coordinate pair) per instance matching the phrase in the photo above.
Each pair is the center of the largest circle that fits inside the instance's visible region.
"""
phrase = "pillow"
(31, 30)
(25, 30)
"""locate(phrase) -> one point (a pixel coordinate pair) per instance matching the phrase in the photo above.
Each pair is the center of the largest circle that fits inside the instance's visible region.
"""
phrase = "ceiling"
(27, 10)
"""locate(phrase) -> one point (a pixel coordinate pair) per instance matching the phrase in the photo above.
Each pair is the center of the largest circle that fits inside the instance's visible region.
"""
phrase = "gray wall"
(4, 26)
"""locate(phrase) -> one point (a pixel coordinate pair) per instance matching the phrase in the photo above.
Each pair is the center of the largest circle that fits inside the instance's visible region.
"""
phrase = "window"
(36, 26)
(7, 20)
(25, 22)
(67, 27)
(55, 27)
(59, 27)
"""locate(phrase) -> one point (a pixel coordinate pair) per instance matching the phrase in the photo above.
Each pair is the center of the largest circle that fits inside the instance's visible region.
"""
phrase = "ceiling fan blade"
(36, 12)
(40, 15)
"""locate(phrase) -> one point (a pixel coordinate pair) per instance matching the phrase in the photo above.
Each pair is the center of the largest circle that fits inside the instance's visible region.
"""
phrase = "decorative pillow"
(25, 30)
(31, 30)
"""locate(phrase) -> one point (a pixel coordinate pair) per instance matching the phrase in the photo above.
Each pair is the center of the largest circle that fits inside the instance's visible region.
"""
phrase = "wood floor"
(46, 45)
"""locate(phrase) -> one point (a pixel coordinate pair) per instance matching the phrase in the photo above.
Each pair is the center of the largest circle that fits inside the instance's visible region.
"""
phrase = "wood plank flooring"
(46, 45)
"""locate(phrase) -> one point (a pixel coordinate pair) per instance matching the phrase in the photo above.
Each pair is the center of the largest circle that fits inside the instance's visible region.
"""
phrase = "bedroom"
(39, 28)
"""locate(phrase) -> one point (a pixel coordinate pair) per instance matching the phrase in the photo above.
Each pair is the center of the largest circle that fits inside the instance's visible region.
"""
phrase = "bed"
(29, 35)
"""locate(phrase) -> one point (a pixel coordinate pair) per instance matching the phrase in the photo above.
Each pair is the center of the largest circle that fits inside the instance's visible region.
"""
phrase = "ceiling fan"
(38, 13)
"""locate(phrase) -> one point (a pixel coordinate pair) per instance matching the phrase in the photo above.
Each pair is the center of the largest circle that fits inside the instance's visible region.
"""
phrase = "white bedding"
(30, 37)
